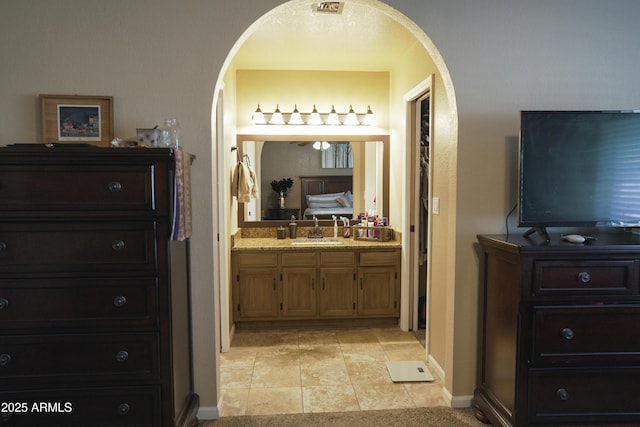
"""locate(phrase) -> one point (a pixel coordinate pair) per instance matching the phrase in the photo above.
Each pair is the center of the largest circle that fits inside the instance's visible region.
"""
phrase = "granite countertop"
(270, 243)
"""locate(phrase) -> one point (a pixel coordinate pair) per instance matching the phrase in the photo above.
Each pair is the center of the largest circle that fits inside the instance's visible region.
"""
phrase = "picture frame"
(77, 119)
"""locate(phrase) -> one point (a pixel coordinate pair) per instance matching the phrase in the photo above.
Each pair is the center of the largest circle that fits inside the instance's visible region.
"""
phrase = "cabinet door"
(377, 291)
(337, 297)
(257, 293)
(298, 292)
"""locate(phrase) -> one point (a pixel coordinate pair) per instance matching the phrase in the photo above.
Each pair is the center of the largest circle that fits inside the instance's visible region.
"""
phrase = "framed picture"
(77, 119)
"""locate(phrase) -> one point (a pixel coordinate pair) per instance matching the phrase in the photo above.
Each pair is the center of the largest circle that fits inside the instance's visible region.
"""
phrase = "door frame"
(412, 100)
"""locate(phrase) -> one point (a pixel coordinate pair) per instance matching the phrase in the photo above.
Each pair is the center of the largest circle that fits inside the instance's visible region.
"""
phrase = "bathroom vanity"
(277, 279)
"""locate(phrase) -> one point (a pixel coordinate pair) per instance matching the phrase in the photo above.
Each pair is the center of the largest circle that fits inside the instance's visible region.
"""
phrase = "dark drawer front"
(123, 407)
(74, 358)
(586, 334)
(65, 188)
(76, 247)
(598, 396)
(78, 303)
(585, 277)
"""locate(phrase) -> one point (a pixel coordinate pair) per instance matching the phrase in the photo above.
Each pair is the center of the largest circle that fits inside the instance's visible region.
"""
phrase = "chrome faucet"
(316, 233)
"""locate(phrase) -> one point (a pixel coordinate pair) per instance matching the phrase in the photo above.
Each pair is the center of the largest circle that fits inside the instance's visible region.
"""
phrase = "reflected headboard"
(311, 185)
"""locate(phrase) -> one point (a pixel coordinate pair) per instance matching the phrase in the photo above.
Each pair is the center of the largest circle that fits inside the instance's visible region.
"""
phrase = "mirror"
(354, 166)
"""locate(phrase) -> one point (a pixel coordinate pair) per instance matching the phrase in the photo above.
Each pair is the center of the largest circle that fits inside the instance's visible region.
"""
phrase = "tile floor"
(321, 370)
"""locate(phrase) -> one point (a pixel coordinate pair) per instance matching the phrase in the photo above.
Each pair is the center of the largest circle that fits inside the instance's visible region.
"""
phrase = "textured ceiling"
(296, 38)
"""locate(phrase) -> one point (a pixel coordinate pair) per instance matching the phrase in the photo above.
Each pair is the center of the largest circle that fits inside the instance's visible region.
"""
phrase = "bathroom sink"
(316, 242)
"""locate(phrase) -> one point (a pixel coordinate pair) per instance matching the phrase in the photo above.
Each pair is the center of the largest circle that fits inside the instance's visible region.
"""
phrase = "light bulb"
(296, 118)
(352, 119)
(333, 117)
(369, 118)
(257, 118)
(276, 118)
(314, 118)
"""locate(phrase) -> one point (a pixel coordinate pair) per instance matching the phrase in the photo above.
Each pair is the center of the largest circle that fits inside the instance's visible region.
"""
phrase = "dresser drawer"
(586, 277)
(78, 303)
(77, 188)
(78, 246)
(104, 407)
(602, 396)
(586, 334)
(76, 358)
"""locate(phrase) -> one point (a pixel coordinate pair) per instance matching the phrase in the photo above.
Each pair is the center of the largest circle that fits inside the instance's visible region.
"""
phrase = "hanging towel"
(181, 227)
(244, 184)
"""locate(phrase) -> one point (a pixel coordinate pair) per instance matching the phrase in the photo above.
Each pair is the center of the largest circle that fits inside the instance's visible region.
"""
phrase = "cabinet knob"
(5, 359)
(584, 277)
(122, 356)
(3, 246)
(567, 334)
(115, 186)
(562, 394)
(117, 245)
(4, 303)
(123, 409)
(120, 301)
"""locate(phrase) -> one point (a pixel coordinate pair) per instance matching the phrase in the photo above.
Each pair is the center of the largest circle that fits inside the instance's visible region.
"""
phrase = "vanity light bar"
(350, 118)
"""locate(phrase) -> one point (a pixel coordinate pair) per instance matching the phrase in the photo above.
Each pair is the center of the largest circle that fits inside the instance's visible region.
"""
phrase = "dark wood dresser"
(560, 340)
(94, 296)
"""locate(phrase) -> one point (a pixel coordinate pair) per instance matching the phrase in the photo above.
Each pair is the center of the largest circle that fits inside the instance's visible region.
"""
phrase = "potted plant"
(281, 187)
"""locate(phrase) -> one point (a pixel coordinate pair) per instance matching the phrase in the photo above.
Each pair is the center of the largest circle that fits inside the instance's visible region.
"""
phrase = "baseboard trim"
(433, 363)
(456, 401)
(209, 412)
(449, 399)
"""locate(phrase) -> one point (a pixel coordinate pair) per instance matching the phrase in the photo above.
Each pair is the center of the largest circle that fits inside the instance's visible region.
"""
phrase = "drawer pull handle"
(119, 301)
(562, 394)
(123, 409)
(567, 334)
(122, 356)
(115, 186)
(584, 277)
(5, 359)
(117, 245)
(4, 303)
(3, 246)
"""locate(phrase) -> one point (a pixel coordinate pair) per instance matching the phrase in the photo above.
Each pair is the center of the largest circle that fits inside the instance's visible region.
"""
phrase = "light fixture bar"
(314, 118)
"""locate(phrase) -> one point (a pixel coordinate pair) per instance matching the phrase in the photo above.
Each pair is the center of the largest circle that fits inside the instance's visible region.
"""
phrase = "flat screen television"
(579, 169)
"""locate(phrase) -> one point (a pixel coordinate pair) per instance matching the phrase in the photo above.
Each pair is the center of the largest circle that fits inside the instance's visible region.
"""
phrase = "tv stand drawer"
(585, 277)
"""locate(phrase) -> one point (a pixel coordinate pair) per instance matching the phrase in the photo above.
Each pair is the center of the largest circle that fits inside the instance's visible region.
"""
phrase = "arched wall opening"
(420, 60)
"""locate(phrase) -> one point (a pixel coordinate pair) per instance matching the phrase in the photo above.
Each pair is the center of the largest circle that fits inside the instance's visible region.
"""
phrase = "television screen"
(579, 168)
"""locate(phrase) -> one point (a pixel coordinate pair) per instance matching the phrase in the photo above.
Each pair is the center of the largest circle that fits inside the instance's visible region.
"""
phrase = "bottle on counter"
(293, 228)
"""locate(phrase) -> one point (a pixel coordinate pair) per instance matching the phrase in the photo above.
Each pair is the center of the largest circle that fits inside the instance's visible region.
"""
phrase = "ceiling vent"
(334, 7)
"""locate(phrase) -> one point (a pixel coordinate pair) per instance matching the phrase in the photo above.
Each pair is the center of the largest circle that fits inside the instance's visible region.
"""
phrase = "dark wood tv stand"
(559, 341)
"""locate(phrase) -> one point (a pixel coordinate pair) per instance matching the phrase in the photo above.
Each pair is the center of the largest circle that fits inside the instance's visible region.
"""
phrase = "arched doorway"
(286, 39)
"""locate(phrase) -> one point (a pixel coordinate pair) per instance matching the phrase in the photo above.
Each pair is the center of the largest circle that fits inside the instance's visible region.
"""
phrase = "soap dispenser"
(335, 227)
(293, 227)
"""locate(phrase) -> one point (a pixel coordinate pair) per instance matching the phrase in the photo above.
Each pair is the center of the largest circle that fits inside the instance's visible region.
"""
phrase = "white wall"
(161, 58)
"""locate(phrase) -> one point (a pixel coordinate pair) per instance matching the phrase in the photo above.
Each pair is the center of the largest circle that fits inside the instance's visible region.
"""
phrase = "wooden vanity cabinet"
(378, 286)
(337, 284)
(257, 280)
(559, 343)
(299, 278)
(315, 284)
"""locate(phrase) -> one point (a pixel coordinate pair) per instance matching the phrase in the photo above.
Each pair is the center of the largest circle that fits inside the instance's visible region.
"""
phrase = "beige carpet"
(419, 417)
